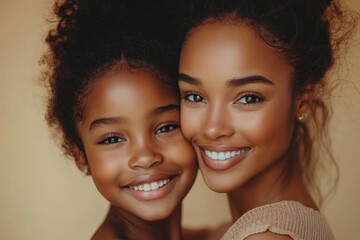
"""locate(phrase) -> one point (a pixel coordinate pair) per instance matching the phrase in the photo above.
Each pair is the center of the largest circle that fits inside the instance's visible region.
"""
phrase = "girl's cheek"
(187, 126)
(192, 122)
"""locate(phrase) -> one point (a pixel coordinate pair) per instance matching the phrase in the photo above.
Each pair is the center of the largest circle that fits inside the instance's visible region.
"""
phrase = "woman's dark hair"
(93, 36)
(310, 35)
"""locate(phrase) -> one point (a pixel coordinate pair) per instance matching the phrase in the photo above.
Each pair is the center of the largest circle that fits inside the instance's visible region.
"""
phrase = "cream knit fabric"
(285, 217)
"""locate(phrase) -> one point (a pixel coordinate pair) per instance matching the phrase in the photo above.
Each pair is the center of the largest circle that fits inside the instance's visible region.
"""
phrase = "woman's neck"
(273, 185)
(120, 224)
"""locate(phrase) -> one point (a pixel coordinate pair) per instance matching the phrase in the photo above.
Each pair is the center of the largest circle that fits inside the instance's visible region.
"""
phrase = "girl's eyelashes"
(167, 127)
(193, 97)
(250, 98)
(112, 139)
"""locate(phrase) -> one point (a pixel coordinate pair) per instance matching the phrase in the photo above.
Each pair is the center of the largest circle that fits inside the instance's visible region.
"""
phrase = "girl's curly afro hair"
(91, 36)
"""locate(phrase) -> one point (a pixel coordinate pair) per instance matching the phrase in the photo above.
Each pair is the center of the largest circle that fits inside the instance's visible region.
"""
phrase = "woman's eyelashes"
(167, 127)
(247, 99)
(193, 97)
(250, 99)
(111, 139)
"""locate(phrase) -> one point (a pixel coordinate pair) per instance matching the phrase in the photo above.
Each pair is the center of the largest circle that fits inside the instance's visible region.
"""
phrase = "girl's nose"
(145, 156)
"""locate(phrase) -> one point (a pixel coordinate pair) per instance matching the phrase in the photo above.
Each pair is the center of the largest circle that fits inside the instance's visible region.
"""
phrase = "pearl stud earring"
(302, 117)
(86, 170)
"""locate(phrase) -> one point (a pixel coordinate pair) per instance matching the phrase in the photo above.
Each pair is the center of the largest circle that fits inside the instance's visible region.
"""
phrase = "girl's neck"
(274, 185)
(123, 225)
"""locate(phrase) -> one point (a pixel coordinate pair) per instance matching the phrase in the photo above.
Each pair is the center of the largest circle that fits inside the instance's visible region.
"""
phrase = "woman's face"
(236, 108)
(138, 158)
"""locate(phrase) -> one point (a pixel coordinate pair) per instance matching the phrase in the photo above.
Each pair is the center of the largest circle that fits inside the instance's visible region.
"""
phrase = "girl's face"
(138, 158)
(237, 108)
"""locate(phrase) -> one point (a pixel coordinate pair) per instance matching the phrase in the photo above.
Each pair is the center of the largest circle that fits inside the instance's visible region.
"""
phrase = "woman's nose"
(217, 123)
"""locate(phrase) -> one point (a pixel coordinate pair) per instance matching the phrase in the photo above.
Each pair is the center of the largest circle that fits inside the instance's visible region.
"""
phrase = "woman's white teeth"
(150, 186)
(221, 156)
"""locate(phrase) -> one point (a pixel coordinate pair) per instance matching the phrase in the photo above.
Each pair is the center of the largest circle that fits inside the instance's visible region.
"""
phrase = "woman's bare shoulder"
(268, 236)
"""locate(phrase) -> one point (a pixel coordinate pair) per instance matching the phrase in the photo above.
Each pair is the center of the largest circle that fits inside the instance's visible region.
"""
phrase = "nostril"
(145, 159)
(155, 163)
(218, 129)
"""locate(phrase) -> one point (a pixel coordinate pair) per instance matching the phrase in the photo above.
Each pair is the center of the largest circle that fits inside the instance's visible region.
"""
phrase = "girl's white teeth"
(221, 156)
(150, 186)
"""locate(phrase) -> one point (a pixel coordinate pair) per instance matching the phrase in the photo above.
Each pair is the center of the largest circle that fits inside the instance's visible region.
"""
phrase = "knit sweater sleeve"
(285, 217)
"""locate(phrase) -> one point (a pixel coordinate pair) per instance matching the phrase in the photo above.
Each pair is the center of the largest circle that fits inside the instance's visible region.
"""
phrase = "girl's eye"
(111, 140)
(250, 99)
(193, 98)
(166, 128)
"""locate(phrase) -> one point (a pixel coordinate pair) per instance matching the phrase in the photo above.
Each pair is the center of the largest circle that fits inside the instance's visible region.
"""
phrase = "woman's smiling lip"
(151, 186)
(222, 157)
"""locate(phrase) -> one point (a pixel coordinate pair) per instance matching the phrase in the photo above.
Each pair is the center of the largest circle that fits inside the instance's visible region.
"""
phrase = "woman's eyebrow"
(230, 83)
(248, 80)
(186, 78)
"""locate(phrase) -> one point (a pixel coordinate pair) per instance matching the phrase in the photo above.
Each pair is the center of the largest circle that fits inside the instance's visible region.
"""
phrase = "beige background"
(44, 196)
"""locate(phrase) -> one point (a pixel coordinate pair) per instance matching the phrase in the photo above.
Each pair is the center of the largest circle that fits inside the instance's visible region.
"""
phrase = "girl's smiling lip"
(151, 186)
(222, 157)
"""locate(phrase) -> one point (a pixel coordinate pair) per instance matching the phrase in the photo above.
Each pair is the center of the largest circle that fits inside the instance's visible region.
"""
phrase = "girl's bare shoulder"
(206, 233)
(105, 232)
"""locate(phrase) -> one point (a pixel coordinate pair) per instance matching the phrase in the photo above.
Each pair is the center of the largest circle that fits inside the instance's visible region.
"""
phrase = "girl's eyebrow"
(166, 108)
(230, 83)
(118, 120)
(109, 120)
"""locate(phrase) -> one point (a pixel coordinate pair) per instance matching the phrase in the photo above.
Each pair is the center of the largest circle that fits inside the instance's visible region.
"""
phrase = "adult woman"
(252, 81)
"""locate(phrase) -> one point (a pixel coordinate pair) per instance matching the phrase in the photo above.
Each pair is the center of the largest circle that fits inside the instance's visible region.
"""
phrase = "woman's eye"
(166, 128)
(111, 140)
(250, 99)
(193, 97)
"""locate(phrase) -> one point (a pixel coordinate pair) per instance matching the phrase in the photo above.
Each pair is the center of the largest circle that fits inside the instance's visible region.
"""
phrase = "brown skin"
(268, 236)
(131, 135)
(118, 227)
(239, 91)
(206, 234)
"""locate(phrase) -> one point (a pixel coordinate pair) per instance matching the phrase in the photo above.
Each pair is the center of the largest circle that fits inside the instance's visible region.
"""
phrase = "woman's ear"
(80, 160)
(304, 102)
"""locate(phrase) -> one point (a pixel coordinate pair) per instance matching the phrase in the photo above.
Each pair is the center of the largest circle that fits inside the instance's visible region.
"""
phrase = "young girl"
(113, 98)
(253, 86)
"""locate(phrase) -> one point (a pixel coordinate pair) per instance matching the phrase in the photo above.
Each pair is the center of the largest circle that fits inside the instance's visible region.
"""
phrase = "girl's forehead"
(128, 80)
(136, 88)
